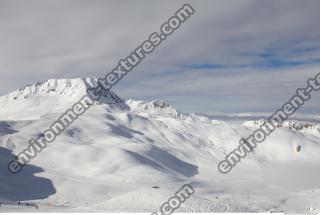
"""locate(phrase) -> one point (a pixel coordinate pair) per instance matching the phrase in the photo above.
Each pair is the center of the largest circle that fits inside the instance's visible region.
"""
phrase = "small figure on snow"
(298, 148)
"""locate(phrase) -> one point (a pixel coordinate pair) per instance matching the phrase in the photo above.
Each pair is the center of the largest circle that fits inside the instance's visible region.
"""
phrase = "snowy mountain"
(295, 125)
(50, 96)
(131, 156)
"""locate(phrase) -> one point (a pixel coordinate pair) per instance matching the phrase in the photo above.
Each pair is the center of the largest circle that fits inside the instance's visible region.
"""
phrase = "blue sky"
(231, 56)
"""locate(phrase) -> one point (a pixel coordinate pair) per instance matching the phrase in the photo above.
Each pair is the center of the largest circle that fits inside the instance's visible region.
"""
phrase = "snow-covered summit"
(296, 125)
(57, 95)
(155, 107)
(53, 95)
(69, 87)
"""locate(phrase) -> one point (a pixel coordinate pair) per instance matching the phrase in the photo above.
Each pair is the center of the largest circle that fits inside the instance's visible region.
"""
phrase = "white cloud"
(58, 39)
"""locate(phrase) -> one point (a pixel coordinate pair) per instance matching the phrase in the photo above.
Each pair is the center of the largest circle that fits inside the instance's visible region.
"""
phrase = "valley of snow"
(111, 158)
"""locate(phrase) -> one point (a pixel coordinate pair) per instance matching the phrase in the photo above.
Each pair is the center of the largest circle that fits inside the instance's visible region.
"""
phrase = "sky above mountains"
(230, 56)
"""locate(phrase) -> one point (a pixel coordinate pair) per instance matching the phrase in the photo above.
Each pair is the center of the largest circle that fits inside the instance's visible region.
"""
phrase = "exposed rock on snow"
(304, 127)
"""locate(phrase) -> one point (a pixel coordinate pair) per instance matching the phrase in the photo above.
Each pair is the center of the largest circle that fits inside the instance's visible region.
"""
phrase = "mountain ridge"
(117, 153)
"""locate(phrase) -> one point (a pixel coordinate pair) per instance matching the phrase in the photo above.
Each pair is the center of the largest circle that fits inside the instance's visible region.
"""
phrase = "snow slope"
(111, 158)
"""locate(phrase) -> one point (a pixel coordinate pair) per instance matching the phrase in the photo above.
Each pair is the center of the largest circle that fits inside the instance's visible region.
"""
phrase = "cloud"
(223, 40)
(235, 90)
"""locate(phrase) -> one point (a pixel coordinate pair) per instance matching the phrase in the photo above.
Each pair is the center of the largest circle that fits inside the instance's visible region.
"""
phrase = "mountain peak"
(51, 95)
(71, 87)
